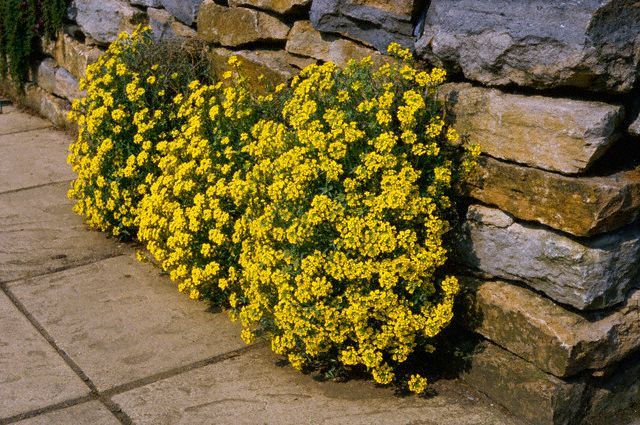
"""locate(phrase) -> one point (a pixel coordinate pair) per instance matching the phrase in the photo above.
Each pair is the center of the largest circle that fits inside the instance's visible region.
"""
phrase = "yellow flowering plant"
(126, 112)
(346, 210)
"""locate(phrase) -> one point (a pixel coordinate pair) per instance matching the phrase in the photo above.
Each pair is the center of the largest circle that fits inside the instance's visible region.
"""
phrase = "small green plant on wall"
(316, 212)
(22, 23)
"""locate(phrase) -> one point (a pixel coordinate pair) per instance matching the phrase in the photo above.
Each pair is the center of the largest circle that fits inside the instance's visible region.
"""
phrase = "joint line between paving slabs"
(37, 186)
(119, 389)
(28, 131)
(47, 409)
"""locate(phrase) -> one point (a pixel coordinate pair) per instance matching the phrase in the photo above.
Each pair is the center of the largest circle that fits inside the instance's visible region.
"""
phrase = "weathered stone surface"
(304, 40)
(526, 391)
(252, 389)
(586, 274)
(165, 26)
(184, 10)
(103, 20)
(93, 413)
(32, 373)
(41, 234)
(553, 134)
(235, 26)
(33, 158)
(615, 393)
(57, 80)
(377, 23)
(581, 206)
(49, 106)
(146, 3)
(556, 340)
(634, 128)
(274, 65)
(594, 45)
(122, 321)
(71, 54)
(278, 6)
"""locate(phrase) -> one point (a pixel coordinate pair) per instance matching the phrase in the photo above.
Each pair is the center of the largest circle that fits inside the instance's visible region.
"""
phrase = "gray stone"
(32, 374)
(581, 206)
(554, 339)
(41, 234)
(251, 389)
(586, 274)
(235, 26)
(146, 3)
(46, 75)
(526, 391)
(304, 40)
(278, 6)
(103, 20)
(634, 128)
(164, 26)
(57, 80)
(553, 134)
(49, 106)
(33, 158)
(121, 320)
(184, 10)
(593, 45)
(377, 23)
(93, 413)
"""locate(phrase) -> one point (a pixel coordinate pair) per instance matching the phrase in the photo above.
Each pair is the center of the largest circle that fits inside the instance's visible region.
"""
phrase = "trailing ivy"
(22, 22)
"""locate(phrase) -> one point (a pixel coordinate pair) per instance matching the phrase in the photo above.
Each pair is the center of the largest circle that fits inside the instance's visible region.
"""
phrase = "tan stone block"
(235, 26)
(581, 206)
(561, 135)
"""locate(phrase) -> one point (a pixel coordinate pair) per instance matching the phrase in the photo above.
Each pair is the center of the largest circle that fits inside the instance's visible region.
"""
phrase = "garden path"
(90, 336)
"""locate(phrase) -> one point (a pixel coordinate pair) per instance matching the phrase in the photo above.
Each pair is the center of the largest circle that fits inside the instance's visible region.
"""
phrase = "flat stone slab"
(586, 274)
(121, 320)
(14, 121)
(581, 206)
(33, 158)
(92, 412)
(563, 135)
(39, 233)
(540, 331)
(251, 389)
(32, 374)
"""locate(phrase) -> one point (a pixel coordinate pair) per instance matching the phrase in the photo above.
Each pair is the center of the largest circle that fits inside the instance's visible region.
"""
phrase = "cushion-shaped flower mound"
(342, 236)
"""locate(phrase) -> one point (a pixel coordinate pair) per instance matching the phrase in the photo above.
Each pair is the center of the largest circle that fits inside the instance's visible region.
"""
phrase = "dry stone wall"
(551, 93)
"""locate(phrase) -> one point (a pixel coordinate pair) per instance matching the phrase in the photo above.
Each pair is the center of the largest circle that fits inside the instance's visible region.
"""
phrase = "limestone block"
(103, 20)
(634, 128)
(561, 135)
(183, 10)
(593, 45)
(165, 26)
(374, 22)
(71, 54)
(146, 3)
(235, 26)
(304, 40)
(581, 206)
(586, 274)
(278, 6)
(554, 339)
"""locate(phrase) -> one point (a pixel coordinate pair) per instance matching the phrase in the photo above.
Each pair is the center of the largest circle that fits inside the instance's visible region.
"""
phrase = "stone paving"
(88, 335)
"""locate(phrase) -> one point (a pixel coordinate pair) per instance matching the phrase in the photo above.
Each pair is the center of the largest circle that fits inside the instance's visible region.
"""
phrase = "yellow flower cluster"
(120, 120)
(317, 212)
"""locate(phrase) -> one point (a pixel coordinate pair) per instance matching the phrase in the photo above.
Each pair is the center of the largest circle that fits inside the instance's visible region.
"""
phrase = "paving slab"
(13, 121)
(39, 233)
(90, 413)
(121, 320)
(252, 389)
(32, 374)
(33, 158)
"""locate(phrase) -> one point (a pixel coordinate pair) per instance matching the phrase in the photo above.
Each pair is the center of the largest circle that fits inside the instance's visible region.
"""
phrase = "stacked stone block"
(549, 90)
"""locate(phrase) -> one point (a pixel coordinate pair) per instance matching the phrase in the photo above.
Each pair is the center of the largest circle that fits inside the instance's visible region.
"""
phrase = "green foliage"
(22, 22)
